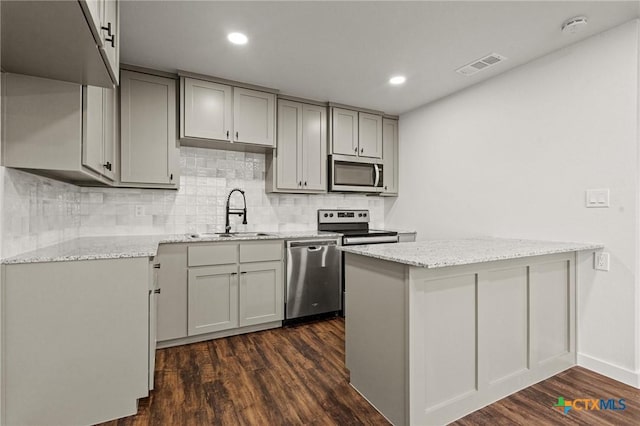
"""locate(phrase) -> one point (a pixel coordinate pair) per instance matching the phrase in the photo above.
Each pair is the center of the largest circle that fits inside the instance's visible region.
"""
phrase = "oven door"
(351, 174)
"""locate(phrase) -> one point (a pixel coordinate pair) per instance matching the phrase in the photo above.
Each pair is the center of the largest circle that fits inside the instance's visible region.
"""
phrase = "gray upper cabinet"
(98, 131)
(356, 133)
(206, 110)
(345, 131)
(314, 147)
(109, 40)
(212, 111)
(58, 129)
(61, 40)
(148, 139)
(370, 135)
(299, 163)
(390, 156)
(254, 117)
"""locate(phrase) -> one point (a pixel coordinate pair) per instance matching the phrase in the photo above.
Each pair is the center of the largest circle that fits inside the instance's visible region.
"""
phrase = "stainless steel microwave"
(353, 174)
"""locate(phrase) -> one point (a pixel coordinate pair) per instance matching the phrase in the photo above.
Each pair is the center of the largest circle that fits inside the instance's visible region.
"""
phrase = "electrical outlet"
(139, 210)
(601, 261)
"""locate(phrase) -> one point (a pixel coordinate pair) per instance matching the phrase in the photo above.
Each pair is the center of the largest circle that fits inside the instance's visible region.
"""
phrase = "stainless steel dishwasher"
(314, 278)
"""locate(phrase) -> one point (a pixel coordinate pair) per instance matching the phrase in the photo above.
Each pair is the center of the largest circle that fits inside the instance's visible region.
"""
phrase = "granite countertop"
(441, 253)
(118, 247)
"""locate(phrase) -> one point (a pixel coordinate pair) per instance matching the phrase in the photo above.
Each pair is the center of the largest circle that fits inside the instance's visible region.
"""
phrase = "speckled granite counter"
(91, 248)
(441, 253)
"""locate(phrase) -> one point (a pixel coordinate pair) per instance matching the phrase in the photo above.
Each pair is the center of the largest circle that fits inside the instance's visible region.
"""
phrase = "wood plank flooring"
(296, 376)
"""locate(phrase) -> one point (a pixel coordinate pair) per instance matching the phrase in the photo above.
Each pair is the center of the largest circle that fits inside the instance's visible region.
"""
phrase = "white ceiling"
(346, 51)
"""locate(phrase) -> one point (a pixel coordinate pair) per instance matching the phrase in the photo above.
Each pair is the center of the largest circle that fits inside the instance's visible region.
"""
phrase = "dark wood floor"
(296, 376)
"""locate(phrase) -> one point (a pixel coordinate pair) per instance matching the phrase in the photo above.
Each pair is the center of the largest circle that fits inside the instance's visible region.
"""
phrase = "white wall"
(513, 156)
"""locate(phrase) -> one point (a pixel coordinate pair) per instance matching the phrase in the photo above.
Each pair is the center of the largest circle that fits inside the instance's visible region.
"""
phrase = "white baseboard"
(615, 372)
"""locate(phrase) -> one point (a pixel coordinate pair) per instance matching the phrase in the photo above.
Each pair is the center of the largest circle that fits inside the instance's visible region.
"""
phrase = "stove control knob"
(326, 215)
(359, 214)
(364, 214)
(330, 214)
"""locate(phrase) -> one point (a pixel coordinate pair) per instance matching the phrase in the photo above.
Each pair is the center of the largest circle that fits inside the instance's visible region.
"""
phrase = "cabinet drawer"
(261, 252)
(214, 254)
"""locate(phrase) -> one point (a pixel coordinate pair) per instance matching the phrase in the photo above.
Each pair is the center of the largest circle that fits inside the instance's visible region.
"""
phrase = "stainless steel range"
(354, 226)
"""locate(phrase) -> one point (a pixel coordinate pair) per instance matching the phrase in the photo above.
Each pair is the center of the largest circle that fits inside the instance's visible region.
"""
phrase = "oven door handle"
(369, 240)
(377, 175)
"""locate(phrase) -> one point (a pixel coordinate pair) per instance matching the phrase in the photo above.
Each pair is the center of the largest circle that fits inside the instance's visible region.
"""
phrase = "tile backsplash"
(40, 211)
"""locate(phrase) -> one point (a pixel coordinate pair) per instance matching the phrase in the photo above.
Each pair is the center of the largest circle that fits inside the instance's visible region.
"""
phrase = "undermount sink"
(231, 234)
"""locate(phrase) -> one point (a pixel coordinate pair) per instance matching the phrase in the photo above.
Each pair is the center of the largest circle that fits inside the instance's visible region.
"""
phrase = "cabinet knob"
(361, 150)
(156, 291)
(385, 187)
(227, 134)
(234, 273)
(171, 176)
(237, 135)
(107, 165)
(242, 273)
(305, 183)
(355, 150)
(157, 266)
(300, 183)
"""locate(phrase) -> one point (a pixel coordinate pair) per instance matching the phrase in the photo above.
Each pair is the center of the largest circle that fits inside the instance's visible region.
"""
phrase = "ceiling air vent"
(481, 64)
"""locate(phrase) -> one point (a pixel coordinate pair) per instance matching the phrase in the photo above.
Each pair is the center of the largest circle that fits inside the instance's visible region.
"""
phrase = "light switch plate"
(139, 210)
(601, 261)
(597, 198)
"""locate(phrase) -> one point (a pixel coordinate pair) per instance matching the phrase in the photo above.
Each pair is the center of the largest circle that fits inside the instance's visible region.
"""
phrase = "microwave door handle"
(377, 175)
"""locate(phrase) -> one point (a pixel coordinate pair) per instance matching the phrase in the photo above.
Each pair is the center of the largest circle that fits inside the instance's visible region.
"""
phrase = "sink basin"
(243, 234)
(231, 234)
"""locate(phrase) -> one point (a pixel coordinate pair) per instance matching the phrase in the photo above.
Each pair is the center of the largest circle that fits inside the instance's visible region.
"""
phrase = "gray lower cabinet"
(299, 163)
(390, 156)
(261, 293)
(149, 152)
(75, 341)
(62, 130)
(218, 287)
(213, 299)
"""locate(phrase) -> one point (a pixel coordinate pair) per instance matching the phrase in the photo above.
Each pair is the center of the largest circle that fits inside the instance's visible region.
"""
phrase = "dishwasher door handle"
(314, 248)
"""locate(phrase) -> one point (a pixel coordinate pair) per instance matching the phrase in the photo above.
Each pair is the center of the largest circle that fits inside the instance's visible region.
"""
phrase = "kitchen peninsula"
(438, 329)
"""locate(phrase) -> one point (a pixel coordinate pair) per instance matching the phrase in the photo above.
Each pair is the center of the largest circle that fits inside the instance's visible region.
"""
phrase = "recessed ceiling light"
(398, 79)
(237, 38)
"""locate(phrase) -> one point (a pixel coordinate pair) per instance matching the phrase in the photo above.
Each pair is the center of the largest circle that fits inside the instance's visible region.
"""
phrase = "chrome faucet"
(240, 212)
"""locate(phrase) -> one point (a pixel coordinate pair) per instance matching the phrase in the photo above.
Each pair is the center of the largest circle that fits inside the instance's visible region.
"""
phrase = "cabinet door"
(207, 110)
(370, 141)
(92, 128)
(314, 147)
(390, 156)
(110, 37)
(213, 299)
(345, 131)
(254, 117)
(148, 136)
(172, 301)
(261, 293)
(109, 114)
(289, 154)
